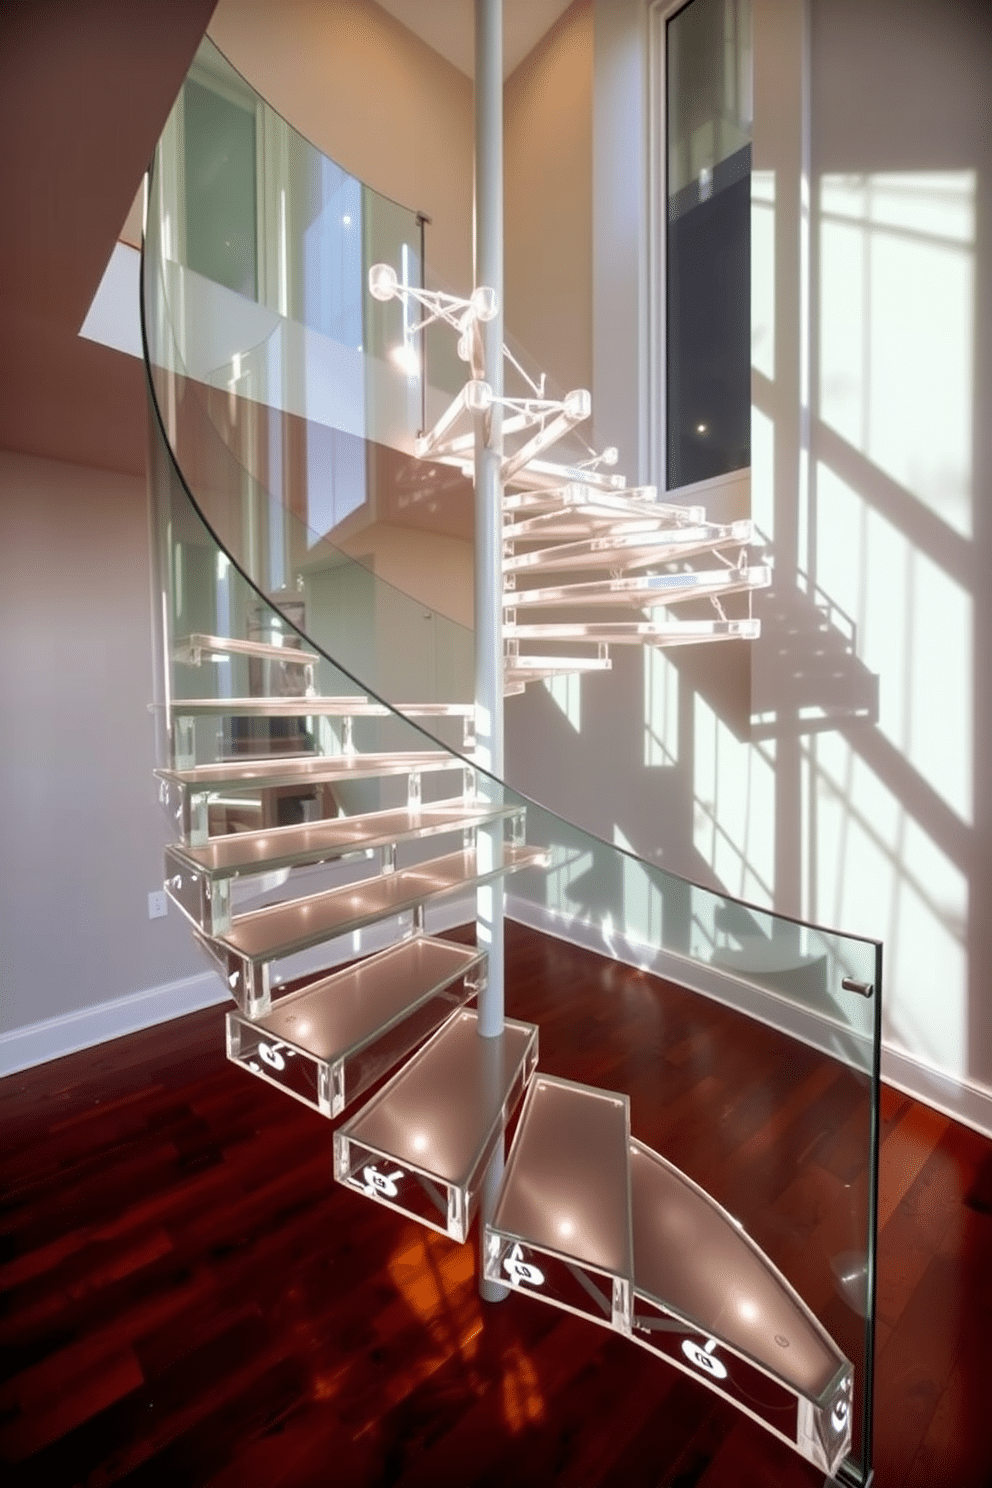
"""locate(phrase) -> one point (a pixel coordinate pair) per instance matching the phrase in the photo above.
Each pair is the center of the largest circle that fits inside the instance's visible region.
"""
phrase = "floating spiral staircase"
(321, 828)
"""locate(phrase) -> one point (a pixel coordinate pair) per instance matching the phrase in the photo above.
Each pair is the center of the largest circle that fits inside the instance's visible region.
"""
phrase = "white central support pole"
(489, 541)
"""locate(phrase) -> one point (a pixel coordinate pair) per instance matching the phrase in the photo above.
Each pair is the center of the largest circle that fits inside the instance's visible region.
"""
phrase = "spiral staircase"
(321, 829)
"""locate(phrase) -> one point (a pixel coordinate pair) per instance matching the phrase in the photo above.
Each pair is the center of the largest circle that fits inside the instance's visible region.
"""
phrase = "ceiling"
(83, 92)
(449, 27)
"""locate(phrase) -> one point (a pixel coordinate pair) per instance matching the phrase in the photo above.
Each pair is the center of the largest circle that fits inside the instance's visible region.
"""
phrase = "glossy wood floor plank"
(186, 1297)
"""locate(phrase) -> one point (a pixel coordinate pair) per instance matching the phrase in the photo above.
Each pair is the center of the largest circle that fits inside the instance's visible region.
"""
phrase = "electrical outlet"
(158, 904)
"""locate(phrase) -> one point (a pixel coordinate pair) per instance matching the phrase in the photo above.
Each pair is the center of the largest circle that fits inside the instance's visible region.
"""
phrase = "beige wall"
(548, 200)
(82, 829)
(397, 115)
(433, 568)
(372, 96)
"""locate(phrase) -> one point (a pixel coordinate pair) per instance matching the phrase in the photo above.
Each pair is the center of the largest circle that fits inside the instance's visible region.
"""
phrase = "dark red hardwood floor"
(188, 1298)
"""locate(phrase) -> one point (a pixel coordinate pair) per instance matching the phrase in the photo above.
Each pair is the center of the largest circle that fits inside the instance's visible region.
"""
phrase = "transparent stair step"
(302, 703)
(187, 793)
(641, 591)
(338, 707)
(550, 475)
(422, 1145)
(562, 1225)
(282, 929)
(515, 683)
(581, 495)
(708, 1300)
(267, 707)
(196, 877)
(580, 523)
(587, 515)
(244, 953)
(195, 648)
(552, 666)
(634, 551)
(298, 768)
(242, 853)
(329, 1042)
(634, 633)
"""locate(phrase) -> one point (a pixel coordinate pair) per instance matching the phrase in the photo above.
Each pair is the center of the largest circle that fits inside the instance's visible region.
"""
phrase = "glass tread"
(617, 501)
(310, 768)
(329, 1041)
(633, 632)
(282, 929)
(244, 853)
(194, 647)
(423, 1143)
(577, 523)
(641, 591)
(566, 1189)
(635, 550)
(269, 707)
(343, 707)
(533, 667)
(685, 1248)
(710, 1302)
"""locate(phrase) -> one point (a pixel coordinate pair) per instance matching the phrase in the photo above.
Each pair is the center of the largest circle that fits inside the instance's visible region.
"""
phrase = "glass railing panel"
(799, 1005)
(274, 763)
(265, 249)
(287, 400)
(260, 477)
(291, 422)
(808, 1198)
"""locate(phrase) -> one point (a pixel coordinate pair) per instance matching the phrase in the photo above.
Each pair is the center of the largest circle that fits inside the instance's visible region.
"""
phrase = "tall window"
(707, 251)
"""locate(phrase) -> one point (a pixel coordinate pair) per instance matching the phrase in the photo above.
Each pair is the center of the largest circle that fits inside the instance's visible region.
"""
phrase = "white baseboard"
(36, 1043)
(966, 1101)
(962, 1100)
(68, 1033)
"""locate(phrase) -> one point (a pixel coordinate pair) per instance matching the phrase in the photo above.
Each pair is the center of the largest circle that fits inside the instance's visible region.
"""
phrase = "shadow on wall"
(882, 816)
(838, 770)
(884, 524)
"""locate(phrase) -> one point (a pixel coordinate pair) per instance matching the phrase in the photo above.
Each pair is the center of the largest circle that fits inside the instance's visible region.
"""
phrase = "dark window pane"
(708, 259)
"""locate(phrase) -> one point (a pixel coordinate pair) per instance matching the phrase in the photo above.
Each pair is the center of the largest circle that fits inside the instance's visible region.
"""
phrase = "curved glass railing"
(272, 369)
(287, 762)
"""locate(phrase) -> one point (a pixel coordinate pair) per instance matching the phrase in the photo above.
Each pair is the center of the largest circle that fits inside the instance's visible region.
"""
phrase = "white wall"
(547, 111)
(895, 522)
(619, 231)
(839, 768)
(82, 829)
